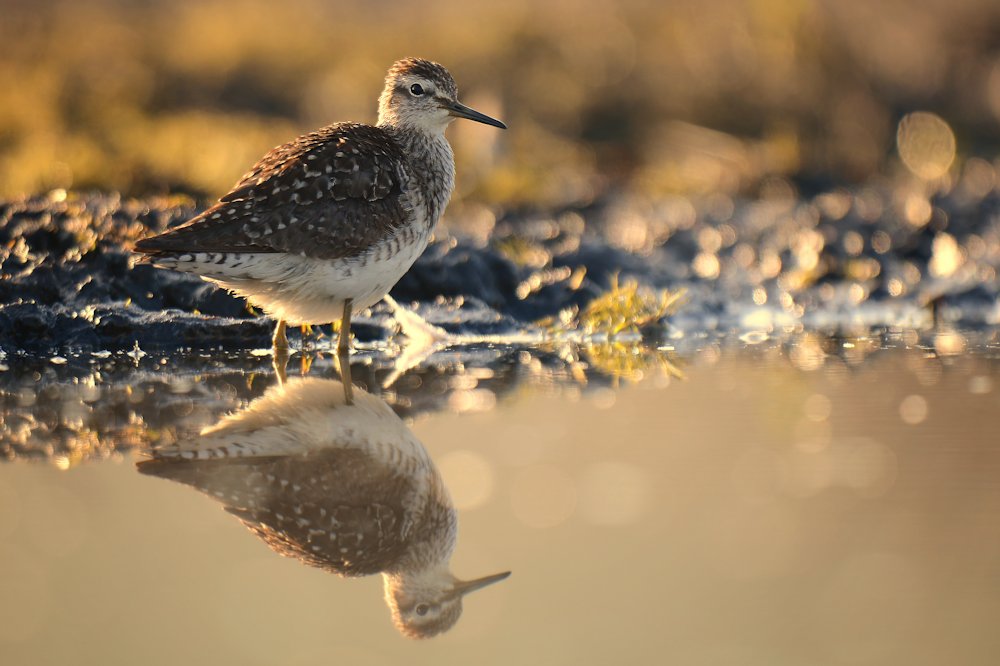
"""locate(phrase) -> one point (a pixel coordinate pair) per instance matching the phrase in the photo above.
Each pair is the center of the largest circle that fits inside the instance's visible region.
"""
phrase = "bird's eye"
(422, 608)
(417, 90)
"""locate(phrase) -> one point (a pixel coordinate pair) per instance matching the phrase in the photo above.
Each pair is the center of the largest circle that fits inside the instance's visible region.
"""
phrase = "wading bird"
(327, 224)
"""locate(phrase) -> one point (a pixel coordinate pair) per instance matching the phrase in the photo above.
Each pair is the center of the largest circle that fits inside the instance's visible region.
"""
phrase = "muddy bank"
(844, 259)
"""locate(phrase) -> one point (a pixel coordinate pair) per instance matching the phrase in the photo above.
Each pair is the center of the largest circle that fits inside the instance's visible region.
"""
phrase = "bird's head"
(421, 94)
(426, 605)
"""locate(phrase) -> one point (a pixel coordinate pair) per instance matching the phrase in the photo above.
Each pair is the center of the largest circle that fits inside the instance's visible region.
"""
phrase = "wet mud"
(867, 257)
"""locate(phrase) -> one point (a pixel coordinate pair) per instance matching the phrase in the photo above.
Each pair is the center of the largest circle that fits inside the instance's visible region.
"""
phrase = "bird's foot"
(423, 339)
(413, 326)
(279, 352)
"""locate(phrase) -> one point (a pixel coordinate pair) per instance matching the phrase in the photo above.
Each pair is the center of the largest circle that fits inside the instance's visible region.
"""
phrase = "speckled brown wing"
(329, 194)
(337, 509)
(362, 543)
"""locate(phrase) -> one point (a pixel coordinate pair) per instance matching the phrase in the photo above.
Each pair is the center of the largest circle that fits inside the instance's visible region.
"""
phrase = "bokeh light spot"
(926, 144)
(468, 477)
(946, 257)
(980, 385)
(817, 407)
(913, 409)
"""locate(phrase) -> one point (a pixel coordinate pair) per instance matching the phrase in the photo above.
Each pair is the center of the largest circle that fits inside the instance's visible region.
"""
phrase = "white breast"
(303, 290)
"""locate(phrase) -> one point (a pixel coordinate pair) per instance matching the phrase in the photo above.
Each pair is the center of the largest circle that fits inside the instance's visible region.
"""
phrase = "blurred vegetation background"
(650, 96)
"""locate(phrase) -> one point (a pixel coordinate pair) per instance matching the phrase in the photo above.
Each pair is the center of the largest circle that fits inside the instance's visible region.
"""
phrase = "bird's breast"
(432, 172)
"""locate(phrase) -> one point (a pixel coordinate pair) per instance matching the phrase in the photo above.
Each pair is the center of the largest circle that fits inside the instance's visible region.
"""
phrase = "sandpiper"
(339, 483)
(329, 222)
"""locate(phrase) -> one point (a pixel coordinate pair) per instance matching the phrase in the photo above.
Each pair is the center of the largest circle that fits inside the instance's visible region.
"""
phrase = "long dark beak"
(463, 587)
(460, 110)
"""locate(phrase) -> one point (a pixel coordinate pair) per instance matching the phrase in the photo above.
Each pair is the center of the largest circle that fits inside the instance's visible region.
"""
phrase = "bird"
(326, 224)
(337, 482)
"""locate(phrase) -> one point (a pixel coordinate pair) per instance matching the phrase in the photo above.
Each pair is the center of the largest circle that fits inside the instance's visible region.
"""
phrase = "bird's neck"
(433, 164)
(434, 575)
(432, 538)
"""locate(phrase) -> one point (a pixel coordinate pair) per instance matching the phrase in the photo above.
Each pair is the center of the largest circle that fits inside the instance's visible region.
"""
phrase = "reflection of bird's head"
(426, 604)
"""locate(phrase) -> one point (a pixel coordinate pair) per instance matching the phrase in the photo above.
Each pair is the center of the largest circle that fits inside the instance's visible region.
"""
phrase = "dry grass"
(627, 307)
(608, 332)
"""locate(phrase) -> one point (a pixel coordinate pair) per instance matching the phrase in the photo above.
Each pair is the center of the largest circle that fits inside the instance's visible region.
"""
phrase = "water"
(808, 500)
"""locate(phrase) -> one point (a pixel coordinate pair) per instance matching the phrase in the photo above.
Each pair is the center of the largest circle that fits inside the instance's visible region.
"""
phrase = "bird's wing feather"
(368, 543)
(338, 509)
(329, 194)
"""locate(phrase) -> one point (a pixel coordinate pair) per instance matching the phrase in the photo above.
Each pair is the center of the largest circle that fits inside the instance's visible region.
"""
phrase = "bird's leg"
(344, 363)
(279, 358)
(280, 362)
(280, 340)
(344, 343)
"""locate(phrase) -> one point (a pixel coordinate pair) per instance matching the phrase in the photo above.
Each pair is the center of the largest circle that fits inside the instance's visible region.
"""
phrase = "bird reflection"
(336, 480)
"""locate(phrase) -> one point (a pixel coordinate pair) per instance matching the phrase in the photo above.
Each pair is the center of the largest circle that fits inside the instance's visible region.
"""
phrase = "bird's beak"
(463, 587)
(459, 110)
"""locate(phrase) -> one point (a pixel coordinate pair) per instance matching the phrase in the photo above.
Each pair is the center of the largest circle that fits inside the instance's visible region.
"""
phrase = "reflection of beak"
(463, 587)
(460, 110)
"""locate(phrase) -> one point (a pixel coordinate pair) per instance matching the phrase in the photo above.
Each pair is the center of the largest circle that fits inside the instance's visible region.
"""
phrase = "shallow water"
(812, 500)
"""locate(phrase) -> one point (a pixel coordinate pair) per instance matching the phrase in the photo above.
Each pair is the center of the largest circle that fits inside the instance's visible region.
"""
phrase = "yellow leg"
(308, 337)
(279, 357)
(280, 341)
(280, 364)
(344, 363)
(344, 343)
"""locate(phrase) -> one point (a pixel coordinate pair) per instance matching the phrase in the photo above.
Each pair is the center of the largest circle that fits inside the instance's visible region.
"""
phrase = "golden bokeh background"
(677, 96)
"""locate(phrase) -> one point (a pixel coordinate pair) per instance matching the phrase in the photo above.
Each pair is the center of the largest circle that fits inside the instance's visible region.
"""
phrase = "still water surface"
(802, 503)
